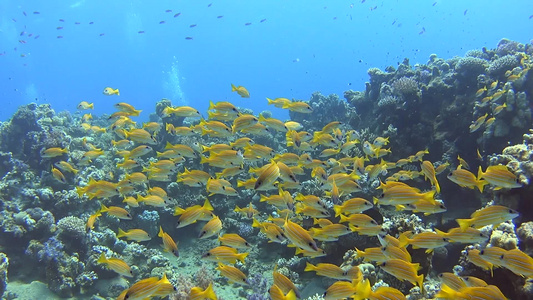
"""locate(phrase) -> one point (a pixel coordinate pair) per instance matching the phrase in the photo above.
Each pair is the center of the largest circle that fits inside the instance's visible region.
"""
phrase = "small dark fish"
(177, 15)
(77, 23)
(247, 24)
(22, 41)
(142, 31)
(531, 17)
(14, 20)
(334, 18)
(362, 1)
(209, 5)
(466, 10)
(434, 3)
(101, 34)
(188, 37)
(192, 25)
(162, 22)
(168, 10)
(59, 28)
(22, 33)
(91, 23)
(59, 36)
(24, 13)
(36, 13)
(393, 22)
(36, 37)
(262, 20)
(29, 35)
(218, 17)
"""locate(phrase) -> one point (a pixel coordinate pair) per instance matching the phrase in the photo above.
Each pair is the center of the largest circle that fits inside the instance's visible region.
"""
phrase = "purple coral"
(52, 250)
(259, 284)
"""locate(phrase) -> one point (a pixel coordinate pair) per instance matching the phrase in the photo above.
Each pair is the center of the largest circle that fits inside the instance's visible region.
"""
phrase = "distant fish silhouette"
(262, 20)
(168, 10)
(218, 17)
(161, 22)
(141, 31)
(177, 15)
(192, 25)
(61, 20)
(36, 13)
(247, 24)
(188, 37)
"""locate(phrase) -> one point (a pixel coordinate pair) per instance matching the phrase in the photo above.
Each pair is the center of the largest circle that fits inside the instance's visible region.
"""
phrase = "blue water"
(300, 47)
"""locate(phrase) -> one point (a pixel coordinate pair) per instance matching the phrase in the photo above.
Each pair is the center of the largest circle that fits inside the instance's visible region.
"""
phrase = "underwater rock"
(502, 64)
(525, 235)
(4, 264)
(504, 236)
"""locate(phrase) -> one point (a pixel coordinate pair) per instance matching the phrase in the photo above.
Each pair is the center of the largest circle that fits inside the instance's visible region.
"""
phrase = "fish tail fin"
(430, 196)
(255, 223)
(80, 191)
(359, 253)
(103, 208)
(121, 233)
(291, 295)
(233, 87)
(309, 267)
(420, 281)
(161, 233)
(207, 205)
(338, 210)
(480, 184)
(404, 240)
(116, 91)
(102, 259)
(211, 105)
(209, 293)
(479, 173)
(464, 223)
(242, 256)
(270, 101)
(204, 160)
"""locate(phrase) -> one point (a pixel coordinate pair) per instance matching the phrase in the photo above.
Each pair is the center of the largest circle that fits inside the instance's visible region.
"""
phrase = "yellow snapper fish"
(403, 270)
(500, 177)
(487, 292)
(241, 90)
(116, 211)
(300, 107)
(299, 236)
(284, 283)
(197, 293)
(53, 152)
(276, 293)
(429, 172)
(465, 178)
(518, 262)
(84, 105)
(58, 175)
(234, 240)
(137, 235)
(451, 280)
(211, 228)
(150, 287)
(194, 213)
(111, 91)
(168, 243)
(278, 102)
(490, 215)
(116, 264)
(233, 274)
(428, 240)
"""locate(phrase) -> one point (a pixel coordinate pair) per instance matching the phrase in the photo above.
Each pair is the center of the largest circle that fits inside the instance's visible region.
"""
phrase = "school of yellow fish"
(239, 164)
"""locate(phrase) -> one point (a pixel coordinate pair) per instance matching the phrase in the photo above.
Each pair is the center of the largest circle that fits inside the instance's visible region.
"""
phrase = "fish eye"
(311, 244)
(244, 280)
(207, 254)
(374, 222)
(382, 195)
(128, 215)
(442, 206)
(481, 252)
(450, 174)
(501, 256)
